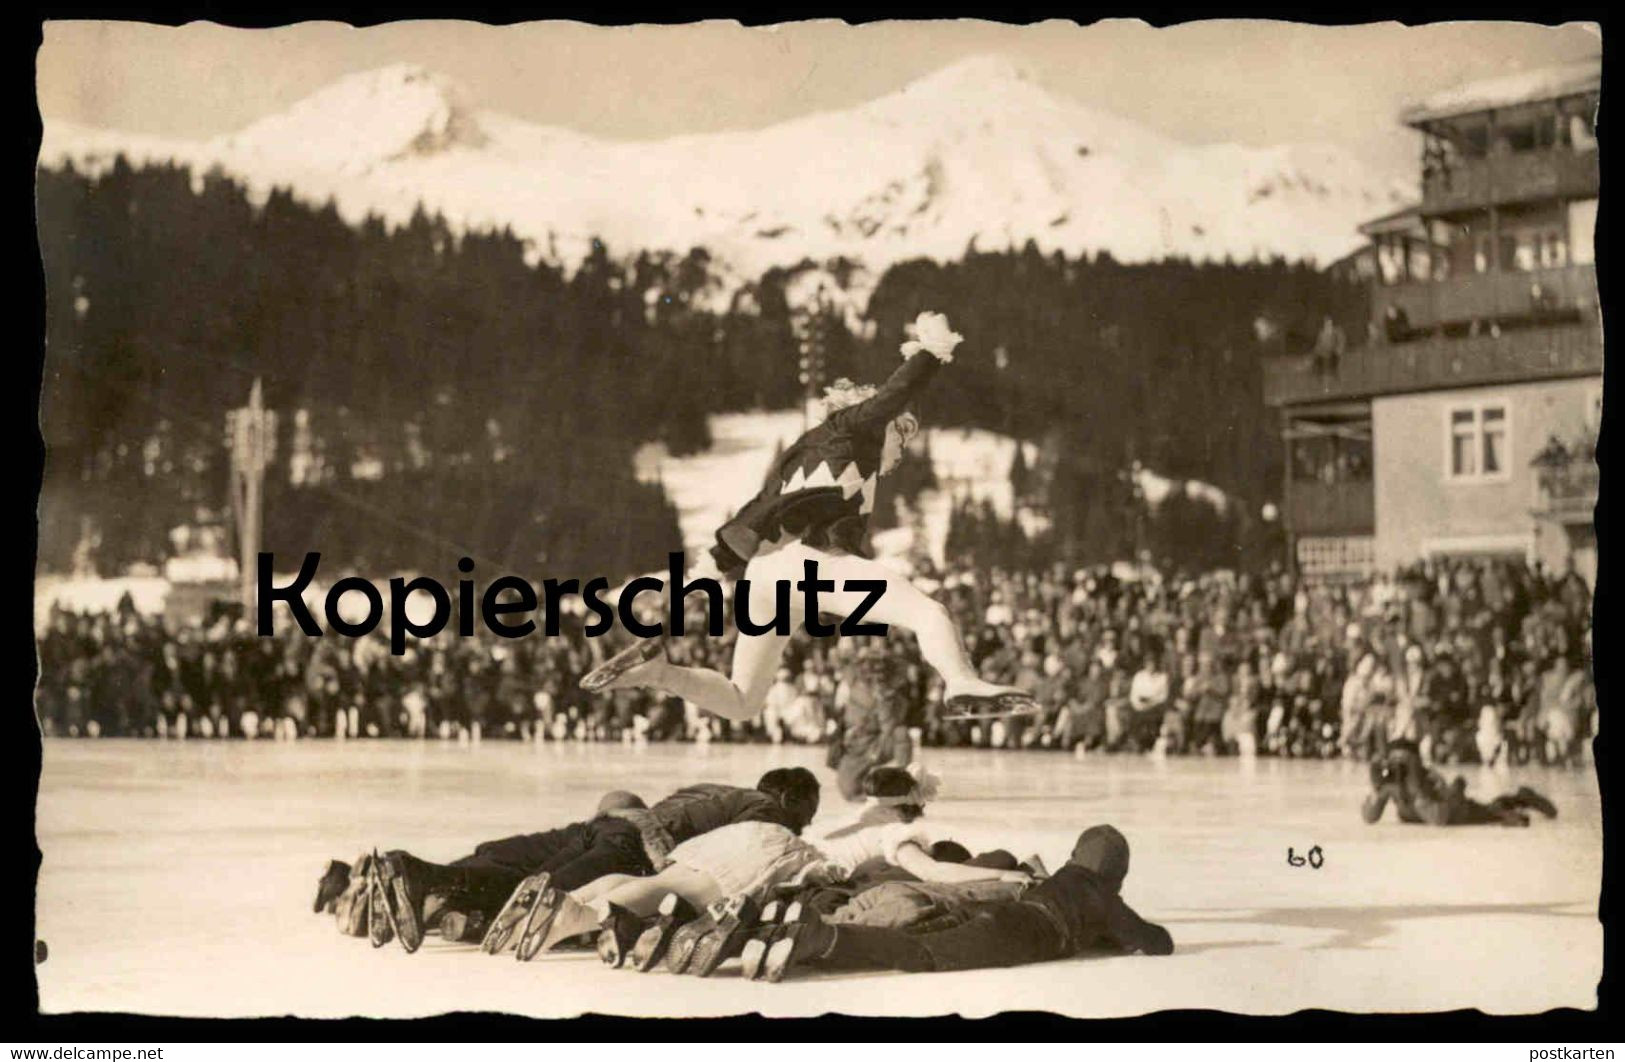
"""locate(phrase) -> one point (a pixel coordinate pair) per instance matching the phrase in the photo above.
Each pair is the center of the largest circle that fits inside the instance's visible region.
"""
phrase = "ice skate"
(557, 917)
(335, 879)
(380, 920)
(1529, 798)
(514, 913)
(655, 940)
(777, 916)
(534, 936)
(617, 935)
(403, 895)
(350, 908)
(634, 655)
(802, 942)
(349, 911)
(732, 920)
(999, 704)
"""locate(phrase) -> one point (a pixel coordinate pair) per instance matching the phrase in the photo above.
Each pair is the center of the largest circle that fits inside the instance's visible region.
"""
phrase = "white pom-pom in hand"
(930, 332)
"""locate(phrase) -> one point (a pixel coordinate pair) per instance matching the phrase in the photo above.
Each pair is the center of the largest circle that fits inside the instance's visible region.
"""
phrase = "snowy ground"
(177, 880)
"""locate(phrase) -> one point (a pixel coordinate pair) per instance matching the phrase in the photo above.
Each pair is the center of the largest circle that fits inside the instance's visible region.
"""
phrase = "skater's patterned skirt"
(748, 857)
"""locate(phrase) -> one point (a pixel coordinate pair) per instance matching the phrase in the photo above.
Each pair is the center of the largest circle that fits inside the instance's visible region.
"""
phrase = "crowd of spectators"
(1478, 660)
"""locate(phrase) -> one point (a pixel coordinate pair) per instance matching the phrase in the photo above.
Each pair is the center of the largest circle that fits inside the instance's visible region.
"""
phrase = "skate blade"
(537, 923)
(619, 664)
(514, 914)
(991, 709)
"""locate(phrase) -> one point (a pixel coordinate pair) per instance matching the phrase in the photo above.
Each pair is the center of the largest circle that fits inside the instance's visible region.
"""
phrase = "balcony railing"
(1569, 491)
(1435, 363)
(1489, 296)
(1521, 177)
(1331, 508)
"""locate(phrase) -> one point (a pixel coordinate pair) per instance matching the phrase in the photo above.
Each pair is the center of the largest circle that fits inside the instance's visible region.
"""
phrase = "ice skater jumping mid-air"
(815, 507)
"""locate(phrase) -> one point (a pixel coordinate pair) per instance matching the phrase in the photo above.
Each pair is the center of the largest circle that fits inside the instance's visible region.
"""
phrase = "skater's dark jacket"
(838, 461)
(694, 810)
(698, 809)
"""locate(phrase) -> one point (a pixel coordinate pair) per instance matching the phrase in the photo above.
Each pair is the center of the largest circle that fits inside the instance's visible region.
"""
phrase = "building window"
(1554, 251)
(1478, 443)
(1475, 138)
(1331, 455)
(1519, 136)
(1549, 130)
(1391, 260)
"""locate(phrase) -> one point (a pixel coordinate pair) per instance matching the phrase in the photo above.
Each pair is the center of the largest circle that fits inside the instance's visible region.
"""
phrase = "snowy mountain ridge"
(977, 154)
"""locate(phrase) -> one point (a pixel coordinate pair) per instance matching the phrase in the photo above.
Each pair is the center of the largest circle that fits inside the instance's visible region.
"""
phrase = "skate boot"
(380, 920)
(618, 933)
(687, 937)
(335, 879)
(1530, 799)
(733, 918)
(350, 909)
(400, 881)
(777, 917)
(462, 927)
(799, 943)
(653, 943)
(539, 919)
(640, 652)
(514, 913)
(557, 917)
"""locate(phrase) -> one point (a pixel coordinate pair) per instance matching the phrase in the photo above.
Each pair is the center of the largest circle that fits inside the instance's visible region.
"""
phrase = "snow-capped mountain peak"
(364, 121)
(989, 80)
(977, 154)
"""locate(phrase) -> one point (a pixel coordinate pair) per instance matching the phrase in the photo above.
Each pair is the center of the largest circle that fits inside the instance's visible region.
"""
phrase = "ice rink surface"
(177, 880)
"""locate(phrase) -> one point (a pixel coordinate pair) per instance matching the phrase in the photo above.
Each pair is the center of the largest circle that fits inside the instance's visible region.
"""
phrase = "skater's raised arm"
(930, 346)
(893, 397)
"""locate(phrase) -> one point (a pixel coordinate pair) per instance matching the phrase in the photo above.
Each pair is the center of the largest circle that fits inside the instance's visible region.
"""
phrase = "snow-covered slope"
(977, 153)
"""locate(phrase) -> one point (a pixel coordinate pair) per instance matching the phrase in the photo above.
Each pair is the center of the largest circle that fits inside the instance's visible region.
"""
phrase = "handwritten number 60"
(1314, 857)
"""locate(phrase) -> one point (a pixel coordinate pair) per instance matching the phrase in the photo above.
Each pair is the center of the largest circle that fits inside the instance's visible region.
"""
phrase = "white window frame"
(1477, 408)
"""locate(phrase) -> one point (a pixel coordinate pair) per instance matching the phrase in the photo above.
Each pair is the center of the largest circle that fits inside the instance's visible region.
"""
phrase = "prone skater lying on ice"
(1422, 795)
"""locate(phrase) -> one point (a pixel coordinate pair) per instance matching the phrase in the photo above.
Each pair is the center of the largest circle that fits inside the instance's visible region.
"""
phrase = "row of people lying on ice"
(713, 872)
(1422, 795)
